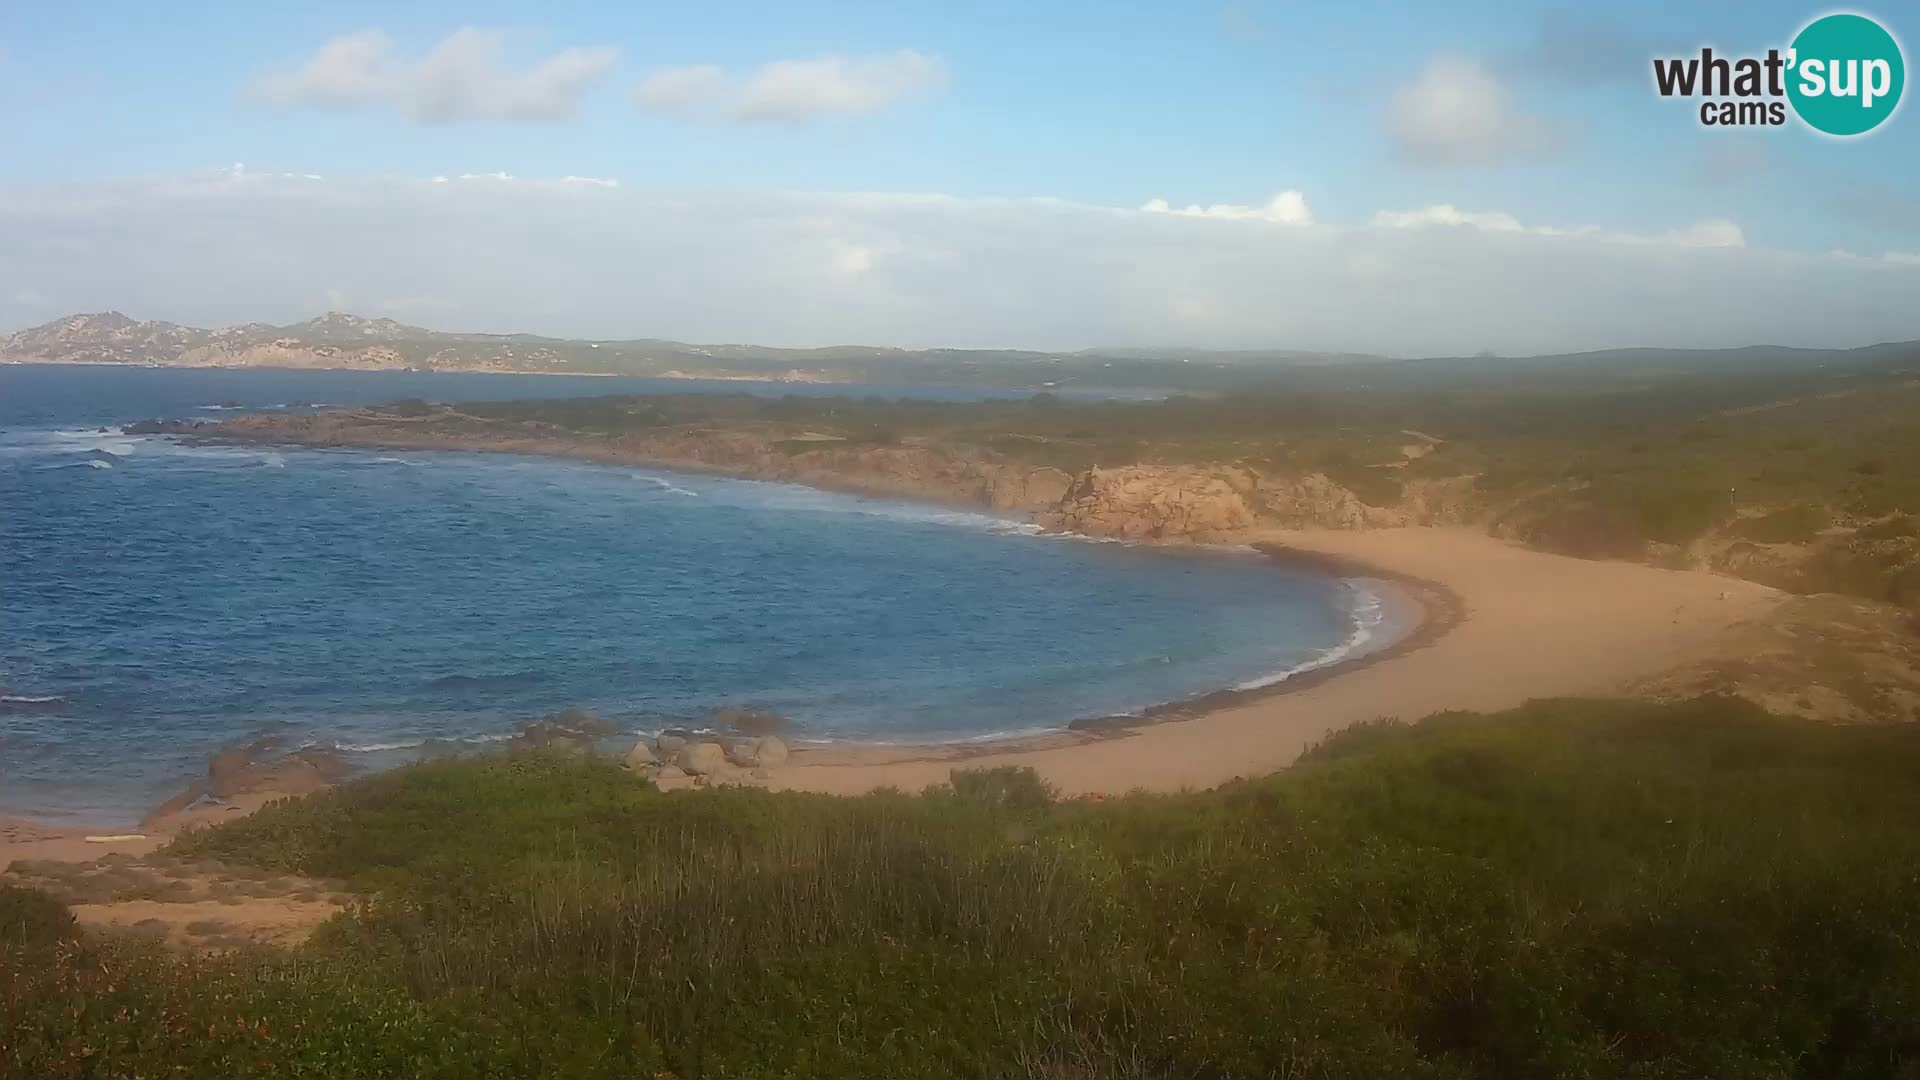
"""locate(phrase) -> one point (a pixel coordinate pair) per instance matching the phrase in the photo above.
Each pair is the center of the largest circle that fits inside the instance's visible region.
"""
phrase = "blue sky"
(1552, 125)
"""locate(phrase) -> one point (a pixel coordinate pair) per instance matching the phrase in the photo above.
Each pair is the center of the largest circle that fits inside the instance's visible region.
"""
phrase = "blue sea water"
(177, 599)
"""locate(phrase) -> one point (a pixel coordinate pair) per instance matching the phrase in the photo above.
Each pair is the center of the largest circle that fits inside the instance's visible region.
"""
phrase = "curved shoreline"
(1254, 731)
(1504, 625)
(1436, 611)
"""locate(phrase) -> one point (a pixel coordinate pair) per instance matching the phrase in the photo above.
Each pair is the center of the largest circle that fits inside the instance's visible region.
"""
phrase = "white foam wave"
(1369, 612)
(25, 699)
(395, 461)
(932, 738)
(96, 463)
(410, 744)
(377, 747)
(664, 485)
(68, 441)
(221, 408)
(274, 460)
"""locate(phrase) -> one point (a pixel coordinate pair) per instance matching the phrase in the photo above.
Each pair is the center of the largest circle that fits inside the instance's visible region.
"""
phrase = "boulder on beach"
(764, 753)
(670, 743)
(748, 721)
(641, 756)
(772, 752)
(701, 759)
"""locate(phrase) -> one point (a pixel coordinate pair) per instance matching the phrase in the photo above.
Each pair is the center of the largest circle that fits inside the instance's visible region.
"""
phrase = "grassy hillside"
(1801, 479)
(1571, 888)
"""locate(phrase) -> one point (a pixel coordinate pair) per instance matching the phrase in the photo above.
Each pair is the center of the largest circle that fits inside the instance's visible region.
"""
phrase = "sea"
(160, 601)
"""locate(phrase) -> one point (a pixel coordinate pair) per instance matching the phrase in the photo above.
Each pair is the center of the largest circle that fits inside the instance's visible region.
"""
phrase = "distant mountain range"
(340, 340)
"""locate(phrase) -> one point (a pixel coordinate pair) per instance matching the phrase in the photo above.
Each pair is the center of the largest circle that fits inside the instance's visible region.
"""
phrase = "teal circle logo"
(1846, 75)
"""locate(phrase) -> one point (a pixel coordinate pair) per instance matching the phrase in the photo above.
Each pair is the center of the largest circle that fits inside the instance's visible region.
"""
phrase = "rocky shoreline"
(1197, 504)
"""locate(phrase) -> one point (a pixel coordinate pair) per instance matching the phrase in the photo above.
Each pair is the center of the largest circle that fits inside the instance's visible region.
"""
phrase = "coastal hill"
(1792, 480)
(343, 341)
(338, 340)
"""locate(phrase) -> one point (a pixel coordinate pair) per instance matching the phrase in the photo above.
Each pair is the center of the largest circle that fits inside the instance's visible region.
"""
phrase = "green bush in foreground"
(32, 917)
(1571, 888)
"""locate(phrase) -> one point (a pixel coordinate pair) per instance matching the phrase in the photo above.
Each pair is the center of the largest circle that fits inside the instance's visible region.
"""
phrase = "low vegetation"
(1570, 888)
(1799, 477)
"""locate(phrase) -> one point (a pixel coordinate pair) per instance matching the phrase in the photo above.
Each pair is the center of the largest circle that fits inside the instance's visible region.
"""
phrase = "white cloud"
(849, 260)
(28, 298)
(792, 91)
(464, 77)
(1709, 234)
(1285, 208)
(1446, 214)
(1715, 233)
(1457, 113)
(686, 90)
(545, 255)
(1903, 258)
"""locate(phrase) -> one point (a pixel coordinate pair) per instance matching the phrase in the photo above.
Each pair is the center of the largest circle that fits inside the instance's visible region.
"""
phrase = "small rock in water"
(749, 721)
(571, 730)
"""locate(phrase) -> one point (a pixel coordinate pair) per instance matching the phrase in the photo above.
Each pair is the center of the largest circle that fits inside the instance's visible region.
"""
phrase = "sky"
(1400, 178)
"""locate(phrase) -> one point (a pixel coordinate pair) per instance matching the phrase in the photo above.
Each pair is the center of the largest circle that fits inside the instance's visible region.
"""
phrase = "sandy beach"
(1516, 625)
(1530, 625)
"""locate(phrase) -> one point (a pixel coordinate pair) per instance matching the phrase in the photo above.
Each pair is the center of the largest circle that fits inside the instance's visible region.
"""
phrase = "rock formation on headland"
(1137, 502)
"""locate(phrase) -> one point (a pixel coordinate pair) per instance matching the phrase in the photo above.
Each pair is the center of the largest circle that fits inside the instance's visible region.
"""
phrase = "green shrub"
(1569, 888)
(1792, 525)
(1897, 527)
(1373, 486)
(1660, 508)
(32, 917)
(1006, 787)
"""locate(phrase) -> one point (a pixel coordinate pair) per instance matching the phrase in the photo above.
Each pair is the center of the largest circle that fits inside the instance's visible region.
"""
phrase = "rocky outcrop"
(1018, 488)
(1207, 503)
(641, 756)
(1314, 501)
(701, 759)
(764, 753)
(1151, 503)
